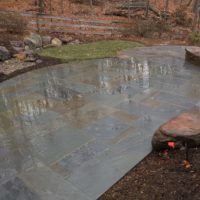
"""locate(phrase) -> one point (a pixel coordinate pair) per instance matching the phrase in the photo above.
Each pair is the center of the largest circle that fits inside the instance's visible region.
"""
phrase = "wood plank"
(72, 31)
(71, 25)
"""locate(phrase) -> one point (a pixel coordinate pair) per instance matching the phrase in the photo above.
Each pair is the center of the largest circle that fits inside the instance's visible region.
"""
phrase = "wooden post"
(37, 22)
(166, 5)
(129, 15)
(196, 14)
(147, 9)
(91, 3)
(50, 5)
(61, 6)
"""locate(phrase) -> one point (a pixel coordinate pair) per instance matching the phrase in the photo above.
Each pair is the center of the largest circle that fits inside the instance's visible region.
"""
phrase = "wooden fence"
(63, 24)
(134, 4)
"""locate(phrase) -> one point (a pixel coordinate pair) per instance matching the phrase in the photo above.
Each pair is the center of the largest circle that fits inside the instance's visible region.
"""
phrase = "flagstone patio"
(69, 132)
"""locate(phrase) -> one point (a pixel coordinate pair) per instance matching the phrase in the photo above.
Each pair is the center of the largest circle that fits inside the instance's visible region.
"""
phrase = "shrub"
(180, 17)
(162, 26)
(144, 28)
(12, 23)
(194, 38)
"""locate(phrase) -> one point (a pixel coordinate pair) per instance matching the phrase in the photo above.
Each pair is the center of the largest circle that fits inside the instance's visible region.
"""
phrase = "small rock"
(18, 46)
(33, 41)
(20, 56)
(38, 61)
(4, 53)
(185, 128)
(17, 43)
(56, 42)
(26, 48)
(75, 42)
(18, 49)
(2, 75)
(29, 52)
(66, 39)
(46, 40)
(30, 59)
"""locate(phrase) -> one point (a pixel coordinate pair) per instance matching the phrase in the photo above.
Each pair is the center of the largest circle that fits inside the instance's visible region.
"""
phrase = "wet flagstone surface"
(71, 131)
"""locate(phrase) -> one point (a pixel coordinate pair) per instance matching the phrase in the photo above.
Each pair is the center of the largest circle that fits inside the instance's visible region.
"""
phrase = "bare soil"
(160, 176)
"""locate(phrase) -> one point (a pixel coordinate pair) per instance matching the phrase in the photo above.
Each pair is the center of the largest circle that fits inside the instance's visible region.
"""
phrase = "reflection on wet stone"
(94, 116)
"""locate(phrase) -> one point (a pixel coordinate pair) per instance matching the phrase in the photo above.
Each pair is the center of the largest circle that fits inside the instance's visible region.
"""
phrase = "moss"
(102, 49)
(194, 38)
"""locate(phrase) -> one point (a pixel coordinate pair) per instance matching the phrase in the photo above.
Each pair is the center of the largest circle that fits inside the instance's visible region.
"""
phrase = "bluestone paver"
(71, 131)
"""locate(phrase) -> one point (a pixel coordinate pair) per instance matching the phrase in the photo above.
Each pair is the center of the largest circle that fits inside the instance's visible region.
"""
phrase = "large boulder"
(2, 75)
(33, 41)
(4, 53)
(17, 45)
(192, 54)
(56, 42)
(46, 40)
(181, 130)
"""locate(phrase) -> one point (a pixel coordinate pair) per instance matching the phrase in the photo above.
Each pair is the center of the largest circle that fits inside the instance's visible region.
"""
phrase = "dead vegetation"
(170, 19)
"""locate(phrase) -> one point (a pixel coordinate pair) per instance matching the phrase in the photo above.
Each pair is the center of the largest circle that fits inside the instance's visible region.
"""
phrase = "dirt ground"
(160, 176)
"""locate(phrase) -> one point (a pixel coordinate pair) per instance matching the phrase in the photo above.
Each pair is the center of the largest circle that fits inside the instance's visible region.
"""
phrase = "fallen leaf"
(187, 164)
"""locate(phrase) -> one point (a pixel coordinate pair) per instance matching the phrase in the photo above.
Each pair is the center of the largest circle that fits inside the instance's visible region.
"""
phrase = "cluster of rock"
(179, 131)
(26, 50)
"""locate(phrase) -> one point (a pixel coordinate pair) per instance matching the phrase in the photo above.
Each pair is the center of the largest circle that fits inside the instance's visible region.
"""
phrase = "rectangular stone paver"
(67, 165)
(16, 189)
(175, 99)
(94, 178)
(106, 129)
(51, 186)
(137, 109)
(54, 145)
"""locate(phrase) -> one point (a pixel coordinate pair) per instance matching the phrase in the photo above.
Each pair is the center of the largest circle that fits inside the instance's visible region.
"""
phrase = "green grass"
(102, 49)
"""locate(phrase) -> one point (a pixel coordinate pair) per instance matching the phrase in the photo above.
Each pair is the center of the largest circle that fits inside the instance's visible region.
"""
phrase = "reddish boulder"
(192, 54)
(20, 56)
(185, 128)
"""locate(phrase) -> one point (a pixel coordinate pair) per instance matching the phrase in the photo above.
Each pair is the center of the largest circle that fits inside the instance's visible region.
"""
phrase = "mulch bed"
(161, 175)
(46, 62)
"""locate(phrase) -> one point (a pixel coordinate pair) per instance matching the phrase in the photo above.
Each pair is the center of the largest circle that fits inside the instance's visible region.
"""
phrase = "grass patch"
(102, 49)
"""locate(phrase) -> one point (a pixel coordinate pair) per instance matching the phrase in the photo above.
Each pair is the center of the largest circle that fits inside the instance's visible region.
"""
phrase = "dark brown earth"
(46, 62)
(160, 176)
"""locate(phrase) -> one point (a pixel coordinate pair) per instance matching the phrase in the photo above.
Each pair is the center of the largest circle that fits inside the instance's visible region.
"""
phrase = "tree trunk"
(166, 5)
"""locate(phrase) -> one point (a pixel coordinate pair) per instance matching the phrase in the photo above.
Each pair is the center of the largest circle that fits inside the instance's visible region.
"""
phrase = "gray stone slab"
(175, 99)
(134, 108)
(82, 88)
(58, 92)
(94, 178)
(51, 186)
(55, 145)
(112, 99)
(149, 123)
(166, 111)
(74, 160)
(106, 129)
(16, 189)
(124, 159)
